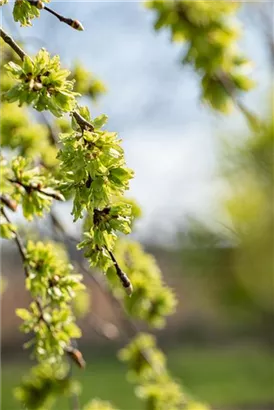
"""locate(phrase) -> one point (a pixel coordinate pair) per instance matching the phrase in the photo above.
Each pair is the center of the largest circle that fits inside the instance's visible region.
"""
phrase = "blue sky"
(153, 102)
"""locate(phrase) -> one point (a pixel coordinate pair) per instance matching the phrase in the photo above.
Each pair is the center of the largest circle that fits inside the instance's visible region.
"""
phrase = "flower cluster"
(32, 187)
(97, 160)
(42, 83)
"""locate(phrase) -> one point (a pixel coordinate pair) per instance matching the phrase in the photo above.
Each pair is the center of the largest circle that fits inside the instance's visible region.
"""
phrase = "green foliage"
(7, 229)
(81, 303)
(86, 83)
(28, 138)
(248, 170)
(42, 83)
(53, 286)
(147, 368)
(24, 12)
(96, 404)
(40, 389)
(98, 165)
(161, 395)
(245, 285)
(32, 187)
(152, 300)
(7, 54)
(142, 357)
(100, 234)
(209, 36)
(51, 276)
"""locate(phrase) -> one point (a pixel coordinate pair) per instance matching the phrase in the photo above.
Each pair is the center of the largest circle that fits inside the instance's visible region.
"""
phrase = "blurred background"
(205, 185)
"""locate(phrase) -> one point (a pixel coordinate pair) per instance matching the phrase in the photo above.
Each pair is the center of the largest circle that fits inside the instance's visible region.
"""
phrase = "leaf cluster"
(24, 12)
(209, 35)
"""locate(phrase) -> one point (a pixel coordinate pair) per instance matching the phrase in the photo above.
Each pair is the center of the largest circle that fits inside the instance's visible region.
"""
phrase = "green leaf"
(24, 314)
(100, 121)
(27, 65)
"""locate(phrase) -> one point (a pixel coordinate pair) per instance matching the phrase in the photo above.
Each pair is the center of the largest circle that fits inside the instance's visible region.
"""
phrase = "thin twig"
(20, 245)
(32, 187)
(83, 124)
(126, 283)
(121, 275)
(9, 202)
(22, 251)
(70, 22)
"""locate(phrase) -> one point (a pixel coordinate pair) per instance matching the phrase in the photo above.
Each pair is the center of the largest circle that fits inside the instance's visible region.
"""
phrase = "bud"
(40, 5)
(77, 357)
(77, 25)
(129, 289)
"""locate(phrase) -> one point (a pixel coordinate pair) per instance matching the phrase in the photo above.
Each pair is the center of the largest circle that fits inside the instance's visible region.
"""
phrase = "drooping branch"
(129, 328)
(71, 351)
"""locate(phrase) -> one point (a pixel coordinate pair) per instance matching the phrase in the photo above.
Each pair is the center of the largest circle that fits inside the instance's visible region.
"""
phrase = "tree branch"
(19, 243)
(9, 40)
(82, 122)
